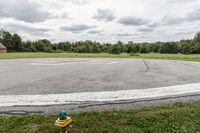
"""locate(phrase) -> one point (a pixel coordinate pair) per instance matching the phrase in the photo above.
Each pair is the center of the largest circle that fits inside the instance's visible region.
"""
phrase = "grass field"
(101, 55)
(179, 118)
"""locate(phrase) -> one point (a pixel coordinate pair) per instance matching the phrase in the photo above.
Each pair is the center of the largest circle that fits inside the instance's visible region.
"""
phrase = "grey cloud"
(64, 15)
(133, 21)
(193, 16)
(146, 29)
(79, 2)
(167, 20)
(178, 1)
(77, 28)
(24, 10)
(76, 2)
(184, 32)
(154, 24)
(124, 34)
(95, 31)
(104, 15)
(31, 29)
(190, 17)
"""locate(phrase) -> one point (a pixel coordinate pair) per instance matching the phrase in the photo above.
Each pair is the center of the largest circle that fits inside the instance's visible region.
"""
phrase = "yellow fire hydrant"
(63, 121)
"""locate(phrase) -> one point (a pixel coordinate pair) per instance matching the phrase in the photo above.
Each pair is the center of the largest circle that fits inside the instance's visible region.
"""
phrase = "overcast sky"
(101, 20)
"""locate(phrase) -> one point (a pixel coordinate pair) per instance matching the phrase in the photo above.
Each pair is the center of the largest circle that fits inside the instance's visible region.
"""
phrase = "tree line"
(14, 43)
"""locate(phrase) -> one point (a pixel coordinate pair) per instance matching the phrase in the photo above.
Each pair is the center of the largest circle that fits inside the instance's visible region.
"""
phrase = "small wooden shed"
(3, 48)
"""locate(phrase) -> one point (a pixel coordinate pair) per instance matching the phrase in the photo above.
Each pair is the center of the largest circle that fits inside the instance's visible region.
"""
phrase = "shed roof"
(2, 46)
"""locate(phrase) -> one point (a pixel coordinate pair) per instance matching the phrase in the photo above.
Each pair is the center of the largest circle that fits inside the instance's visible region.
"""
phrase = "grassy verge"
(101, 55)
(179, 118)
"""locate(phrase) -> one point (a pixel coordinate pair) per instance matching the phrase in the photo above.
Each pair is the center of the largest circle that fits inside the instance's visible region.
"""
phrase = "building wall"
(3, 50)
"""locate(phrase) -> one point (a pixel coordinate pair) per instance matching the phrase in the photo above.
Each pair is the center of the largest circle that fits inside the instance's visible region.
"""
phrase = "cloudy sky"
(101, 20)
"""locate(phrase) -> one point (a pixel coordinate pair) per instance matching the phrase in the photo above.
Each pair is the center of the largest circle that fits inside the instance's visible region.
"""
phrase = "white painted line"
(112, 62)
(67, 63)
(51, 64)
(108, 96)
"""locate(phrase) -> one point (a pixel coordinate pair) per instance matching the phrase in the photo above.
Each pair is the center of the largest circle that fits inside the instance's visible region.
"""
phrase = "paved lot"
(55, 76)
(66, 76)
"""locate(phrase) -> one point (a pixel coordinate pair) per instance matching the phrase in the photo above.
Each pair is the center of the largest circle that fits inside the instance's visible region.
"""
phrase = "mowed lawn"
(194, 57)
(179, 118)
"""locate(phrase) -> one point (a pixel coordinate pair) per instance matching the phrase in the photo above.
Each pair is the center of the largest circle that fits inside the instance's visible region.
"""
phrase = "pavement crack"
(146, 65)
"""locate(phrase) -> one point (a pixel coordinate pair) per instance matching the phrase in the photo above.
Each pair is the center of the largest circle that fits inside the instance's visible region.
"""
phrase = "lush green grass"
(101, 55)
(180, 118)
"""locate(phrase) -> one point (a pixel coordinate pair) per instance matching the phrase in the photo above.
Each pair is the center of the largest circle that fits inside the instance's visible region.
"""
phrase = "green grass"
(194, 57)
(179, 118)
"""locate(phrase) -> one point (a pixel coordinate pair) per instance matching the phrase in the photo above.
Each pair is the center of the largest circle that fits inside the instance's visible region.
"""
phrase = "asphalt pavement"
(31, 77)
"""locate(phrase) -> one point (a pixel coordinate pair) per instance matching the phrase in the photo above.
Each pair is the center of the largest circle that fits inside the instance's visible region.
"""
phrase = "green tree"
(185, 46)
(43, 45)
(121, 46)
(143, 49)
(6, 39)
(155, 47)
(129, 47)
(96, 48)
(196, 44)
(16, 42)
(169, 47)
(115, 49)
(197, 38)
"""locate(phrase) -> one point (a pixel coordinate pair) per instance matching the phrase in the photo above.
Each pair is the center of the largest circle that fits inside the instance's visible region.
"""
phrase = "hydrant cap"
(63, 115)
